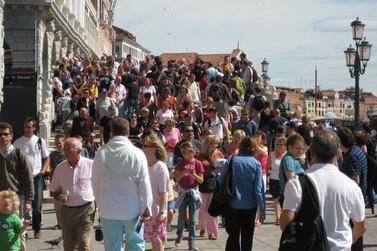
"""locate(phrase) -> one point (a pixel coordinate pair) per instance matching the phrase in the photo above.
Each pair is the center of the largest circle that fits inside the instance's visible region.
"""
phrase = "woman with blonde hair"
(273, 166)
(183, 94)
(232, 147)
(155, 228)
(209, 148)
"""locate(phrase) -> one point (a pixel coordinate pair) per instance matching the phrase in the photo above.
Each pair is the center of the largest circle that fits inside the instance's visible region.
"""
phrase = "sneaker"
(169, 228)
(178, 241)
(37, 234)
(192, 247)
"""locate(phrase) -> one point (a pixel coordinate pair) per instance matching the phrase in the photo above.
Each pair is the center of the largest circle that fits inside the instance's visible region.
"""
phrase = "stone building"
(37, 33)
(1, 51)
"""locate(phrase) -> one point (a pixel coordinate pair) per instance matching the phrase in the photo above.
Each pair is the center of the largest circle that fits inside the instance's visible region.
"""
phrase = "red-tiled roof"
(191, 57)
(121, 33)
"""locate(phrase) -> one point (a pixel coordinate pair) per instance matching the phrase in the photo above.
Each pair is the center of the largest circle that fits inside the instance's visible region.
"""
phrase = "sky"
(293, 35)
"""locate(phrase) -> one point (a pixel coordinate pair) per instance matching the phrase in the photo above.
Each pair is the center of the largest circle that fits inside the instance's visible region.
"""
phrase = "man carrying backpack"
(256, 104)
(339, 197)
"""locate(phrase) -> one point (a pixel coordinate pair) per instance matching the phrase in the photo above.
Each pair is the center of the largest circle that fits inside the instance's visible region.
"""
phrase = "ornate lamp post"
(357, 60)
(265, 65)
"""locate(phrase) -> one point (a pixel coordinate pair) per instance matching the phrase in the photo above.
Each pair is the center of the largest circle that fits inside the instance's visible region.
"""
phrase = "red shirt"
(188, 181)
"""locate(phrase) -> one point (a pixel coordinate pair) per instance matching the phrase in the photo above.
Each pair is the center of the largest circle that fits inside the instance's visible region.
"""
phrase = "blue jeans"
(189, 202)
(37, 203)
(113, 231)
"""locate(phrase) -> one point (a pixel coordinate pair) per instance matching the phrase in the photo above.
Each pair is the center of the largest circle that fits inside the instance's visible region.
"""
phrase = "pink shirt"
(159, 177)
(76, 180)
(172, 138)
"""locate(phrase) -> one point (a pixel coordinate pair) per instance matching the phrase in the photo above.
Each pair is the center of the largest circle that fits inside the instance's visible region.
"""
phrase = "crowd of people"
(176, 129)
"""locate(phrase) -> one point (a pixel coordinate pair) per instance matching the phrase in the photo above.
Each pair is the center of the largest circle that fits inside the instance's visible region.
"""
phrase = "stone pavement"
(266, 237)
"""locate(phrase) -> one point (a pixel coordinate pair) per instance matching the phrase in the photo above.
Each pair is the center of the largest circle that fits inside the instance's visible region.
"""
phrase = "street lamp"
(356, 60)
(264, 65)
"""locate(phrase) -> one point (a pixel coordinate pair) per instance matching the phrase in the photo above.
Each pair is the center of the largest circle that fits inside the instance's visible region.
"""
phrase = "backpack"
(307, 231)
(258, 103)
(255, 75)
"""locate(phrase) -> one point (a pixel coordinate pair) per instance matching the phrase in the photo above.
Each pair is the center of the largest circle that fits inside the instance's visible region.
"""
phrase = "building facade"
(1, 51)
(37, 34)
(125, 44)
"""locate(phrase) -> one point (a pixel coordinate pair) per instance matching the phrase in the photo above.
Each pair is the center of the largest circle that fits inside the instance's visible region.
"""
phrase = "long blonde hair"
(153, 140)
(207, 141)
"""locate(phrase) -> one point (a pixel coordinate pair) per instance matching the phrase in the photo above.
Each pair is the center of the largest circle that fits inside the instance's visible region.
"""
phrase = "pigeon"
(55, 242)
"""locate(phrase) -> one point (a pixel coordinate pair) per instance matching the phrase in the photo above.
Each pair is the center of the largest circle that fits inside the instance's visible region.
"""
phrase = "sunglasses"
(189, 131)
(4, 134)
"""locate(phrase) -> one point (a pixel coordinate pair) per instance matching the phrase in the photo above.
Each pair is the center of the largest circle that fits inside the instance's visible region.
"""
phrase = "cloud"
(289, 34)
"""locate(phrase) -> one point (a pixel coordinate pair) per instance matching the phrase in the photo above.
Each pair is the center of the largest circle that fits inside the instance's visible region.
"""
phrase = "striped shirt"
(355, 164)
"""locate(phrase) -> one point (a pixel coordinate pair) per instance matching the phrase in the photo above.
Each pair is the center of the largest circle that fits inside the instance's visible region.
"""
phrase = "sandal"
(277, 222)
(258, 224)
(202, 233)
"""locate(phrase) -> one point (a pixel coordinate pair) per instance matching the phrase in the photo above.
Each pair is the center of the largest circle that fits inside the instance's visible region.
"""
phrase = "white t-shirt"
(339, 197)
(102, 106)
(33, 151)
(163, 116)
(149, 89)
(194, 91)
(216, 125)
(159, 177)
(275, 166)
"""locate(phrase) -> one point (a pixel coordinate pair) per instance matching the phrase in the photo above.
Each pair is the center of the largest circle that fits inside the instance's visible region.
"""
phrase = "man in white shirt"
(217, 124)
(340, 199)
(37, 153)
(121, 94)
(71, 185)
(122, 189)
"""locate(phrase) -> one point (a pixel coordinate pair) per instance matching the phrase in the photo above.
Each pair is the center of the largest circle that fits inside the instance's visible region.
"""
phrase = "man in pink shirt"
(71, 185)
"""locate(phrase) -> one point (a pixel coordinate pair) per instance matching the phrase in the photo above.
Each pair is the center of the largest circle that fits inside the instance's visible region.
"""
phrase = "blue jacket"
(248, 183)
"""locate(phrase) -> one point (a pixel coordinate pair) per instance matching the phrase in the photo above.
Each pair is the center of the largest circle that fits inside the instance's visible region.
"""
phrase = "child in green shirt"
(10, 223)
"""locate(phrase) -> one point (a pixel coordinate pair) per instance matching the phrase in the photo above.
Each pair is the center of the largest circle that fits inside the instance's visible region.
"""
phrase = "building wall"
(38, 33)
(122, 49)
(1, 51)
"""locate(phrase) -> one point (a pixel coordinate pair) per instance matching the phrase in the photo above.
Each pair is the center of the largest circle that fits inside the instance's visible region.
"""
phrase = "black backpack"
(307, 231)
(258, 103)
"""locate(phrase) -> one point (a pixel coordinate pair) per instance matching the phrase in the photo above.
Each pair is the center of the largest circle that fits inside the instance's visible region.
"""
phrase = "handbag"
(223, 193)
(208, 185)
(307, 231)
